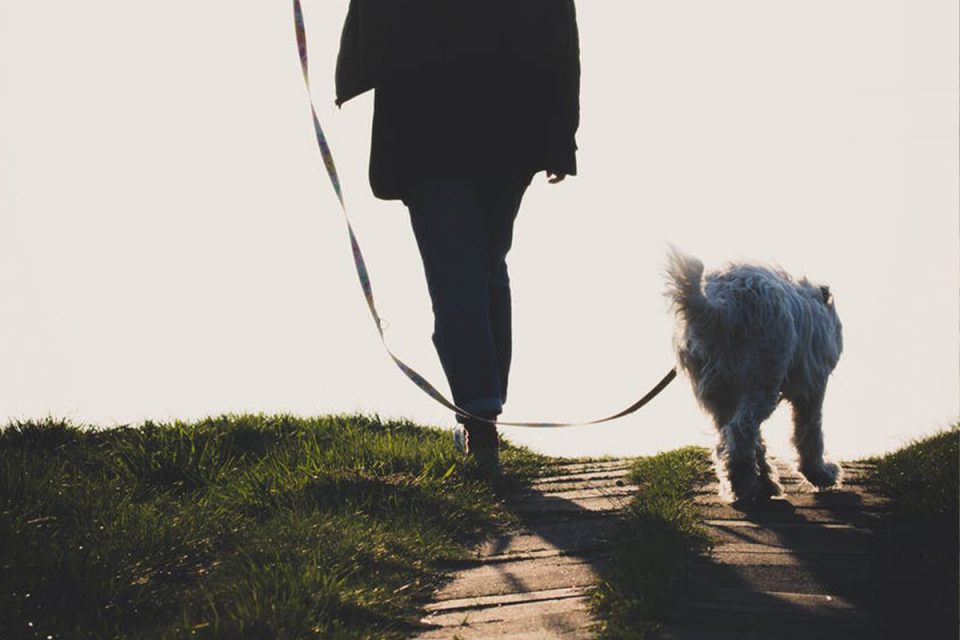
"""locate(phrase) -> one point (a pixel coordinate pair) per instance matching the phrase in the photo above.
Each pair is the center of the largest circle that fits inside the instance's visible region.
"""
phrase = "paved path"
(796, 567)
(530, 583)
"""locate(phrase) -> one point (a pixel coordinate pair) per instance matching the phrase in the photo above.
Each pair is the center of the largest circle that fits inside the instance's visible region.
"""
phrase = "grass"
(235, 527)
(632, 597)
(922, 478)
(340, 527)
(920, 532)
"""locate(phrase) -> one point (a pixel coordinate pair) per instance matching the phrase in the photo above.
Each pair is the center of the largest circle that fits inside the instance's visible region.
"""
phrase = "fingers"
(554, 178)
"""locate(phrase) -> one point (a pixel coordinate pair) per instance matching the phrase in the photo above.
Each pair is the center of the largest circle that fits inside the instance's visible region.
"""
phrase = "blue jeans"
(464, 229)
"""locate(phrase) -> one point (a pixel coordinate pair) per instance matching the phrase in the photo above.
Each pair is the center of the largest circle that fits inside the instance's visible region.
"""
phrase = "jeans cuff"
(481, 407)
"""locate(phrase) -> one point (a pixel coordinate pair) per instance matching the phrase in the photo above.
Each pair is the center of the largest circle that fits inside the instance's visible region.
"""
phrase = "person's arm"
(570, 103)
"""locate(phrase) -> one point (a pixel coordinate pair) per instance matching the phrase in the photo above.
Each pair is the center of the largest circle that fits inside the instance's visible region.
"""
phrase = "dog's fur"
(749, 336)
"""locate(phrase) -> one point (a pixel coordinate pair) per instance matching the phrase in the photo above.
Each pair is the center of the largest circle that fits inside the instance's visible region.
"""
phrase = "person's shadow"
(559, 546)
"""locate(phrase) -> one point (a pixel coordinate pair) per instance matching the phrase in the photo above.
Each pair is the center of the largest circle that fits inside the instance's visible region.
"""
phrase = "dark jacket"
(463, 87)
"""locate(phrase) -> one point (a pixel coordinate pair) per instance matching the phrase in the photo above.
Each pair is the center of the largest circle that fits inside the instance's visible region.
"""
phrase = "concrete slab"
(731, 552)
(542, 506)
(558, 619)
(769, 615)
(560, 487)
(834, 500)
(782, 603)
(783, 512)
(584, 467)
(793, 486)
(480, 602)
(850, 578)
(783, 526)
(759, 555)
(570, 536)
(721, 625)
(582, 491)
(521, 576)
(798, 537)
(851, 469)
(586, 476)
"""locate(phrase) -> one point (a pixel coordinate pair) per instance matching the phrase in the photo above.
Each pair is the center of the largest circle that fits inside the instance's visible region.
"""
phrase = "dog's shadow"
(799, 565)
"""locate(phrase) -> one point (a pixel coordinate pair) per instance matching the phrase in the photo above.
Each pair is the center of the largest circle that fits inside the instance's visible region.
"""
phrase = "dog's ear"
(825, 294)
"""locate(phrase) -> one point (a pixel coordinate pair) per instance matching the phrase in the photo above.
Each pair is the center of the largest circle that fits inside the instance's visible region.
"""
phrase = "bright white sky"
(170, 248)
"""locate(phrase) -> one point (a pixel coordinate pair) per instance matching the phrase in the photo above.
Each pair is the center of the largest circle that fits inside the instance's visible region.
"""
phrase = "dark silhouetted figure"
(473, 97)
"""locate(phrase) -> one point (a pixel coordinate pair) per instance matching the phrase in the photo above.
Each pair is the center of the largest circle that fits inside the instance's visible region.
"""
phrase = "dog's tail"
(684, 276)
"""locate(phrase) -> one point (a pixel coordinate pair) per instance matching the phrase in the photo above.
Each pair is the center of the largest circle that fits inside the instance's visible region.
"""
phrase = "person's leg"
(501, 199)
(447, 221)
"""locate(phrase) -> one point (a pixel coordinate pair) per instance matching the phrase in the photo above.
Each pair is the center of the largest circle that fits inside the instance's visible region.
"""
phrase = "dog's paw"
(769, 487)
(754, 488)
(823, 475)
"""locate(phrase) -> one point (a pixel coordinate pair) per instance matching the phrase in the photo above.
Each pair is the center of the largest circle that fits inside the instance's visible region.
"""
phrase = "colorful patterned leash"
(361, 266)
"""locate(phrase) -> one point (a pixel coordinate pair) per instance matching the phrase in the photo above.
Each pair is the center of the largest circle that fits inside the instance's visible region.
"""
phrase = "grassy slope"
(920, 534)
(923, 477)
(660, 530)
(233, 527)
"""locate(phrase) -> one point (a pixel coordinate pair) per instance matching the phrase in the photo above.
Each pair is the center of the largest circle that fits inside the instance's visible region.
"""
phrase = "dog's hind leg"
(769, 477)
(808, 439)
(740, 445)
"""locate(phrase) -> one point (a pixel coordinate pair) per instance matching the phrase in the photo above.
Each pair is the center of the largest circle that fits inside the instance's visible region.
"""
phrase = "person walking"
(472, 99)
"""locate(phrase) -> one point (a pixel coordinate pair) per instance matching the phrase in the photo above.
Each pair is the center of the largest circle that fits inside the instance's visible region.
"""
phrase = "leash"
(364, 276)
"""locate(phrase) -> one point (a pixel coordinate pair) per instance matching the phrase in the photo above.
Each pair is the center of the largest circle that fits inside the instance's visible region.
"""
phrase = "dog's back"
(734, 324)
(749, 318)
(740, 296)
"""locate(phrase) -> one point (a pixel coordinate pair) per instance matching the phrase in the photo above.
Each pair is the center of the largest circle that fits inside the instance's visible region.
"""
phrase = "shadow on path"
(806, 565)
(531, 581)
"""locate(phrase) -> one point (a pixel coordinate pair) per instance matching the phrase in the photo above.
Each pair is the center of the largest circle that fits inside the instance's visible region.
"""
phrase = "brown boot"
(483, 442)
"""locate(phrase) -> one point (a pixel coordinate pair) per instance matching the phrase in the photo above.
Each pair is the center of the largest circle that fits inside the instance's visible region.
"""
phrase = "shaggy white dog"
(749, 336)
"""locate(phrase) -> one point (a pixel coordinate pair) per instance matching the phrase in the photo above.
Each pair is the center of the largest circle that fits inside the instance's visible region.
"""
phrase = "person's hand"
(554, 178)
